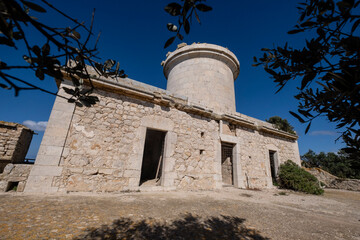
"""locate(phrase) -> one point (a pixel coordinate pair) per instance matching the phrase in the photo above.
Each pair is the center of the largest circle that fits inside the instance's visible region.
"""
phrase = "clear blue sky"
(134, 32)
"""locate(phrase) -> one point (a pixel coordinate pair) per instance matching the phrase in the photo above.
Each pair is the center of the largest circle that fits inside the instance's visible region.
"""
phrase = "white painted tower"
(205, 73)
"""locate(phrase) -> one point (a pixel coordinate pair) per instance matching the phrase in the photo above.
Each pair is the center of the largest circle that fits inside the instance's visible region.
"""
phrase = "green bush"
(292, 176)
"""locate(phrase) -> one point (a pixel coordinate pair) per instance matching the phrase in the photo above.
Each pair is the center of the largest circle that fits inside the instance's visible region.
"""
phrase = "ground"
(226, 214)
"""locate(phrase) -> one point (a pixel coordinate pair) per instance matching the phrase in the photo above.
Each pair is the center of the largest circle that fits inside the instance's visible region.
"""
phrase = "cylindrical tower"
(204, 73)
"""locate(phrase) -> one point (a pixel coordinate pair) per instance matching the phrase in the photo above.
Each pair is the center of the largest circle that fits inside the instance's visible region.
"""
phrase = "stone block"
(90, 171)
(75, 170)
(3, 185)
(45, 171)
(8, 168)
(49, 140)
(48, 160)
(40, 184)
(134, 182)
(47, 150)
(131, 173)
(106, 171)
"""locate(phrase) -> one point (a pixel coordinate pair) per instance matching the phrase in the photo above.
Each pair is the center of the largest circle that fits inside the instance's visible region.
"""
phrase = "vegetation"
(184, 13)
(340, 165)
(293, 177)
(327, 67)
(281, 124)
(63, 50)
(66, 50)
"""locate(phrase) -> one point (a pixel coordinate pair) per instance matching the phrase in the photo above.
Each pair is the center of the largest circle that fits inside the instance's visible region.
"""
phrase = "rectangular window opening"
(273, 166)
(227, 163)
(153, 157)
(12, 186)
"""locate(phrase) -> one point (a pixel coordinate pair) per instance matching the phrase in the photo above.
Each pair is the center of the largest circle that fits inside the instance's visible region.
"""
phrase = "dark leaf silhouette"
(169, 42)
(187, 26)
(331, 55)
(307, 78)
(204, 8)
(307, 128)
(295, 31)
(184, 14)
(297, 116)
(34, 6)
(173, 9)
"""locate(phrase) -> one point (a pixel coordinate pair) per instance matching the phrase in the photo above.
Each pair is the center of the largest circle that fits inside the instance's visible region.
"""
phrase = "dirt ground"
(226, 214)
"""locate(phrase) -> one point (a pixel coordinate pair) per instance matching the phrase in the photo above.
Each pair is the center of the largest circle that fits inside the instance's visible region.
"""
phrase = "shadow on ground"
(188, 227)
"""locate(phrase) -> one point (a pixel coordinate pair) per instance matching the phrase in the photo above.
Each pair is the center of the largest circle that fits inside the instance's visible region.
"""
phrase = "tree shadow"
(187, 227)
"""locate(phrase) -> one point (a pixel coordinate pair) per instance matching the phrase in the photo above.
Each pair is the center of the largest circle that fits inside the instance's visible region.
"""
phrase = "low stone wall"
(14, 173)
(14, 143)
(332, 181)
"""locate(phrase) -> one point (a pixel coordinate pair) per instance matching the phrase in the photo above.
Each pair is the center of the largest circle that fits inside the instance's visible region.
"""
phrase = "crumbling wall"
(15, 140)
(14, 173)
(331, 181)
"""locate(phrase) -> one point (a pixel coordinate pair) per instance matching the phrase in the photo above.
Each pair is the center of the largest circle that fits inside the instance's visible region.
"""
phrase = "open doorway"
(227, 163)
(152, 158)
(273, 165)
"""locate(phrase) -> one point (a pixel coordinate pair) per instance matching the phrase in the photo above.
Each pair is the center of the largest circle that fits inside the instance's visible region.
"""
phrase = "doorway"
(152, 157)
(227, 163)
(273, 165)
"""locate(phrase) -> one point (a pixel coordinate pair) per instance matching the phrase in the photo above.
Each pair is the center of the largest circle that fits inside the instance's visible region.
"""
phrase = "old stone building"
(14, 143)
(142, 137)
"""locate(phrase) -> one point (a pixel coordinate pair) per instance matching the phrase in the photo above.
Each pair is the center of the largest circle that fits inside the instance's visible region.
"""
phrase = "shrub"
(281, 124)
(292, 176)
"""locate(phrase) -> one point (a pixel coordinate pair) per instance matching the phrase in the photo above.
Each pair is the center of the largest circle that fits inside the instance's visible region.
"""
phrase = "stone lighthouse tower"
(205, 73)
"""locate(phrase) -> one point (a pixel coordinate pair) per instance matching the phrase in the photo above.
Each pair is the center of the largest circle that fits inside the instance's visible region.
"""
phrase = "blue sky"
(134, 33)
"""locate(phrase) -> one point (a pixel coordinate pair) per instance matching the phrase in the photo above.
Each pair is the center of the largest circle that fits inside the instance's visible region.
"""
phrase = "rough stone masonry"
(14, 143)
(142, 137)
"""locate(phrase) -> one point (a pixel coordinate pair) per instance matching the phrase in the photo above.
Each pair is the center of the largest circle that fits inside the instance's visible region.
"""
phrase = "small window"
(12, 186)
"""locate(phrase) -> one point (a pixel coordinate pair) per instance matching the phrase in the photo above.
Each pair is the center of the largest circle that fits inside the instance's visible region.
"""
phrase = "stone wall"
(100, 148)
(14, 143)
(104, 149)
(331, 181)
(105, 143)
(14, 173)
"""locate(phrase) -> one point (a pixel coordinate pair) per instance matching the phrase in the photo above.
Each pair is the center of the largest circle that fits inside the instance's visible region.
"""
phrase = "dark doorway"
(273, 166)
(227, 163)
(152, 157)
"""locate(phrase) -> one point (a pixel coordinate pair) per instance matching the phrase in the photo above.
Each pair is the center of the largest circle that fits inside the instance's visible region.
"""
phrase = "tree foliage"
(327, 67)
(184, 13)
(64, 50)
(293, 177)
(341, 165)
(281, 124)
